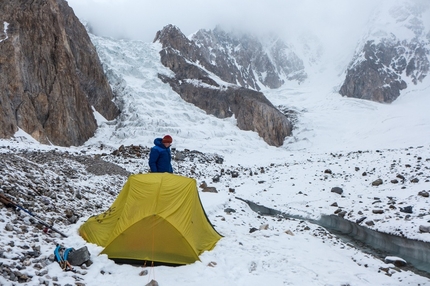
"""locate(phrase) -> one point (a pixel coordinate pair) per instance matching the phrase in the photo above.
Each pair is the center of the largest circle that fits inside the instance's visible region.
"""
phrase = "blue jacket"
(160, 158)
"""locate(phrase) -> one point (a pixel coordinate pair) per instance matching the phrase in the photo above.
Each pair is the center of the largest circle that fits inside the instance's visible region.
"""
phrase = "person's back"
(160, 156)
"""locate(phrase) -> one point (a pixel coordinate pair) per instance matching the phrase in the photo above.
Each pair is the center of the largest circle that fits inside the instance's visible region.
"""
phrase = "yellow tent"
(156, 217)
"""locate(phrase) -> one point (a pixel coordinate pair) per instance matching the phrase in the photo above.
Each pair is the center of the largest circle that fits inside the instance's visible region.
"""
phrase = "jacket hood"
(158, 142)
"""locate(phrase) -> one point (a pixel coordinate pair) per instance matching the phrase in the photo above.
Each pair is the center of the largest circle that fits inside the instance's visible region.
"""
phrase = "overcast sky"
(141, 19)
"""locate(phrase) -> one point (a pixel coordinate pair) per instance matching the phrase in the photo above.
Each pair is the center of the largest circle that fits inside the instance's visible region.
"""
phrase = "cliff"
(51, 76)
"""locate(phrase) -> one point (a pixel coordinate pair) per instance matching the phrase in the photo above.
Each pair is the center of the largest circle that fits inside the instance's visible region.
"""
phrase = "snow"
(5, 25)
(332, 132)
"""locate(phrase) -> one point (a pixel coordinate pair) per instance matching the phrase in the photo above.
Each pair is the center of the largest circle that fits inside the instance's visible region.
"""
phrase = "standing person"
(160, 156)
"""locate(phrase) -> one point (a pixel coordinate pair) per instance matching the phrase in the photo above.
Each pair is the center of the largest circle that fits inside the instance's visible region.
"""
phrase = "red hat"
(167, 139)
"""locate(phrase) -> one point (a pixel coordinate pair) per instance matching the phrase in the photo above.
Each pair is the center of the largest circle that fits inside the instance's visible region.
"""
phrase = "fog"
(141, 19)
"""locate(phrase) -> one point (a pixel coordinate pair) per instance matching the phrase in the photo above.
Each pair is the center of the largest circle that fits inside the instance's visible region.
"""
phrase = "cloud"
(141, 19)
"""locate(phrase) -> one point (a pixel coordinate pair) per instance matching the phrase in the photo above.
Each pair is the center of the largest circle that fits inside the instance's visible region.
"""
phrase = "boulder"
(377, 182)
(337, 190)
(397, 261)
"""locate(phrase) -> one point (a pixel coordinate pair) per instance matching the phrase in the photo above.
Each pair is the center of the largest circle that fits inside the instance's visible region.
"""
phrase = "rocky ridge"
(197, 84)
(378, 72)
(245, 61)
(386, 61)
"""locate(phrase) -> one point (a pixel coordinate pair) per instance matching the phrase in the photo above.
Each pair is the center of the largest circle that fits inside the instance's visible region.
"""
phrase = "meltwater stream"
(416, 253)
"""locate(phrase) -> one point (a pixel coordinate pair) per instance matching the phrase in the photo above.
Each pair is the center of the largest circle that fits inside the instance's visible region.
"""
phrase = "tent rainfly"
(156, 217)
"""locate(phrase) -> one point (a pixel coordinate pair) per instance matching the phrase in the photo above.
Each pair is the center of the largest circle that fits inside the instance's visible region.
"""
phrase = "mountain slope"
(199, 82)
(51, 76)
(395, 54)
(325, 121)
(248, 61)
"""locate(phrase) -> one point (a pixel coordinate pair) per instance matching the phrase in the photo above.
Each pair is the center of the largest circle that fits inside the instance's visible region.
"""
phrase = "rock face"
(50, 74)
(386, 62)
(194, 84)
(246, 61)
(379, 69)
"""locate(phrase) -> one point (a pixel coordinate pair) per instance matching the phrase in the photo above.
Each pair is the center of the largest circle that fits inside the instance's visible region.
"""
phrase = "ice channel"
(416, 253)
